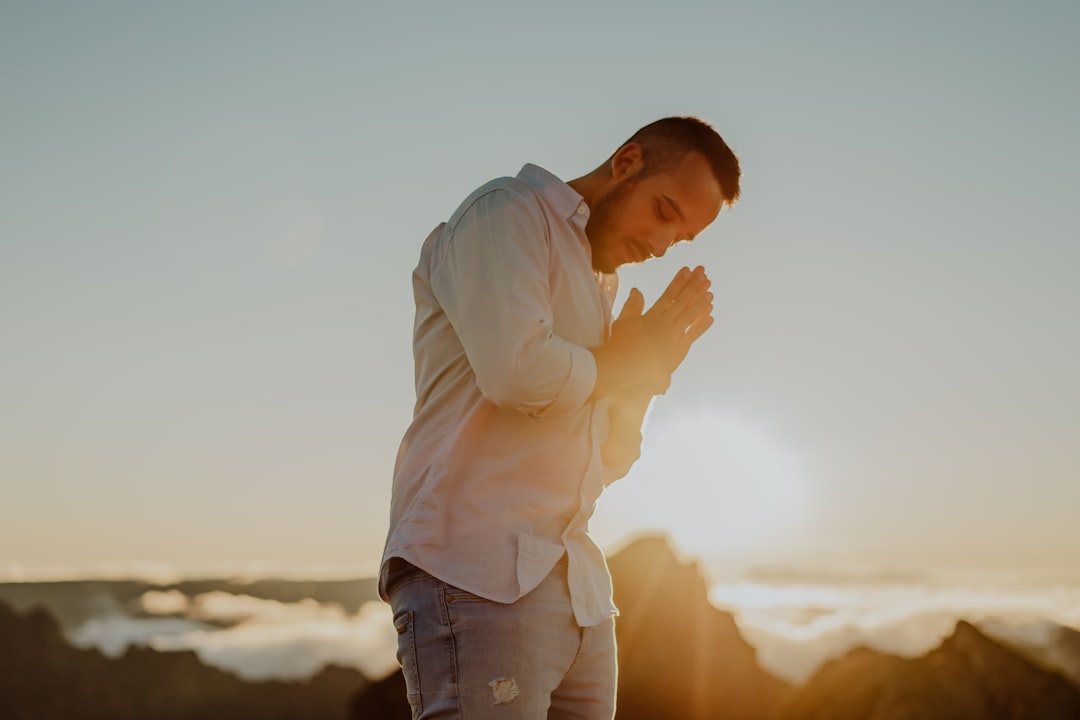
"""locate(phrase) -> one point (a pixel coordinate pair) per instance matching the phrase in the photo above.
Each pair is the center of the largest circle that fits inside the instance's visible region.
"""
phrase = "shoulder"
(509, 199)
(504, 217)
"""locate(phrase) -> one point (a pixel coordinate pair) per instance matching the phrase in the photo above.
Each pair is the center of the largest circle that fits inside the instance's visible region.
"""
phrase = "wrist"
(619, 369)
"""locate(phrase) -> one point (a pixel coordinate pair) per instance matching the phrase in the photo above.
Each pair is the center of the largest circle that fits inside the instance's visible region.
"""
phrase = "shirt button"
(580, 209)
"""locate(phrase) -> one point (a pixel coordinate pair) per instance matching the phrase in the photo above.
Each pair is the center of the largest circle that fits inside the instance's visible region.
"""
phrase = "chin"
(606, 266)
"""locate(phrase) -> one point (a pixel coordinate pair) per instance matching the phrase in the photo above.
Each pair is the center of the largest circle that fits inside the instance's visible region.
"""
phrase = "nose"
(658, 246)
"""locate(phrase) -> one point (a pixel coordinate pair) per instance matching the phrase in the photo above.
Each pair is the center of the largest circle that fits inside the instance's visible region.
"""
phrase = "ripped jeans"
(467, 658)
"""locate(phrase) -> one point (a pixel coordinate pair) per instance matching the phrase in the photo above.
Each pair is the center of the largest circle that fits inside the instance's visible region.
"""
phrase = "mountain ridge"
(969, 676)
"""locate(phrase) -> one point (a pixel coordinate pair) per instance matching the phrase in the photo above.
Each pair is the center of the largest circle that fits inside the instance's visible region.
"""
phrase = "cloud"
(164, 602)
(265, 640)
(114, 634)
(797, 628)
(227, 608)
(294, 640)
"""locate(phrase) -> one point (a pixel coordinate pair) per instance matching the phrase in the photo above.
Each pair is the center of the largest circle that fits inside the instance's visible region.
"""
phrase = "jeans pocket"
(406, 656)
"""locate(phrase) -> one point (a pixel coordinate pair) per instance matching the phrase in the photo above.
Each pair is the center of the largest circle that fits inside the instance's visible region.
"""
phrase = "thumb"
(633, 306)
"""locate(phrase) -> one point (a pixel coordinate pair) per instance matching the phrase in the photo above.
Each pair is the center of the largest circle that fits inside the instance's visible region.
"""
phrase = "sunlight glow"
(712, 482)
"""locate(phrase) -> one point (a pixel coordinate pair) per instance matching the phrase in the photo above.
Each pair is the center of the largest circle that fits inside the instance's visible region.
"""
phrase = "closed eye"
(661, 212)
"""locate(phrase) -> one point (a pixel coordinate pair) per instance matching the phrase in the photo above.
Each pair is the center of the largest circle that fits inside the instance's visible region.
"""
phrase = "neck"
(590, 187)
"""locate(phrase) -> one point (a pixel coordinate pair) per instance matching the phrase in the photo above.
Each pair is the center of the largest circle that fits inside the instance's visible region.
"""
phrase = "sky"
(211, 213)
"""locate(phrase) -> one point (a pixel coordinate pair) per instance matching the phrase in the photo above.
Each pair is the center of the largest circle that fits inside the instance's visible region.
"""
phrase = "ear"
(627, 161)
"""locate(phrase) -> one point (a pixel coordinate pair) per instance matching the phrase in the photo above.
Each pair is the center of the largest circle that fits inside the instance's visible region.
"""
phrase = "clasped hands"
(644, 350)
(655, 342)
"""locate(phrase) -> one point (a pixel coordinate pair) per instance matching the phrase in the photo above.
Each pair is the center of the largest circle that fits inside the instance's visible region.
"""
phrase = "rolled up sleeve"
(491, 278)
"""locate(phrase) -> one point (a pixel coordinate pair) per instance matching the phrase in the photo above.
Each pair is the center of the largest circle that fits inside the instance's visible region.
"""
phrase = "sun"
(715, 483)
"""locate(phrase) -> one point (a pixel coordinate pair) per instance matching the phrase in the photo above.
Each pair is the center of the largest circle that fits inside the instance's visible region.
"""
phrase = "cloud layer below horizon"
(795, 628)
(798, 627)
(254, 638)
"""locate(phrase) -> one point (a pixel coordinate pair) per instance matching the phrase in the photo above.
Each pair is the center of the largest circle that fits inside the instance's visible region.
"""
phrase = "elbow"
(531, 381)
(512, 391)
(543, 377)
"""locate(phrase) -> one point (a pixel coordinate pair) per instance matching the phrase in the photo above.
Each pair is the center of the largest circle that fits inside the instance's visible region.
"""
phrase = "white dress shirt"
(498, 474)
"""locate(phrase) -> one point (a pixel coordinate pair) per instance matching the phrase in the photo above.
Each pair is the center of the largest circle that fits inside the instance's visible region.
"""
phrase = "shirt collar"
(561, 197)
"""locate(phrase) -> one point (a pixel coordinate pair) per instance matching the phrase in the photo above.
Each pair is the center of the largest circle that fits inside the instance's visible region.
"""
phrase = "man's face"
(638, 218)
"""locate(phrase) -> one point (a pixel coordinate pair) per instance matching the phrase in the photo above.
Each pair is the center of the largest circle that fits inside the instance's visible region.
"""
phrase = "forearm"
(626, 416)
(622, 371)
(630, 407)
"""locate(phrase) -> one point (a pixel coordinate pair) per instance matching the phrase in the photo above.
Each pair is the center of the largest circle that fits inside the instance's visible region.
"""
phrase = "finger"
(690, 313)
(676, 286)
(698, 327)
(693, 289)
(635, 303)
(689, 293)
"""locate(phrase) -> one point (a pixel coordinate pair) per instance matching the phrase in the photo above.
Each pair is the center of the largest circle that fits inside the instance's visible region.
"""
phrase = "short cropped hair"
(665, 142)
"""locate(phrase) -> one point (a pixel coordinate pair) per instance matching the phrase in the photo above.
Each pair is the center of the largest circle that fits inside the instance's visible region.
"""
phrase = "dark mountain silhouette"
(1064, 654)
(1061, 653)
(968, 677)
(383, 700)
(680, 657)
(42, 677)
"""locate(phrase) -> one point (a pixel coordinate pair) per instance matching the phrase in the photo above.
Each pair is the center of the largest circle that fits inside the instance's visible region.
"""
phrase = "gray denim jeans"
(467, 658)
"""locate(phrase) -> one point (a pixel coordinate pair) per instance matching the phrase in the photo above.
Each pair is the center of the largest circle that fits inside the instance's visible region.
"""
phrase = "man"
(530, 399)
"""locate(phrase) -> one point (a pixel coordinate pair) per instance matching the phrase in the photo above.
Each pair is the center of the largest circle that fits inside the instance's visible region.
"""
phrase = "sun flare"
(712, 482)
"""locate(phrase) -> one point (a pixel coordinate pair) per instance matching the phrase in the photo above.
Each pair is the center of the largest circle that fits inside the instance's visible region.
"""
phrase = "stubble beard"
(601, 219)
